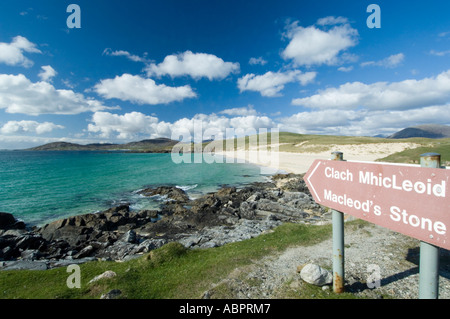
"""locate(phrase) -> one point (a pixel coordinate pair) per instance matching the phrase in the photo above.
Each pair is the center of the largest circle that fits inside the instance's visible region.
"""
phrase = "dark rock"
(9, 252)
(291, 182)
(113, 294)
(29, 242)
(148, 214)
(247, 210)
(30, 254)
(8, 221)
(117, 251)
(173, 208)
(170, 192)
(150, 244)
(226, 192)
(107, 237)
(71, 234)
(130, 237)
(118, 209)
(85, 252)
(14, 232)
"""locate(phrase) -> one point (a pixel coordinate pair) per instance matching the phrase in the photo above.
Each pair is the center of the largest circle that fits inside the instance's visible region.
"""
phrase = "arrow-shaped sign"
(411, 200)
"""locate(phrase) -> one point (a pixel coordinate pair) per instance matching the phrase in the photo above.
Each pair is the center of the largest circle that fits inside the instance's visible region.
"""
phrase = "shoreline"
(214, 219)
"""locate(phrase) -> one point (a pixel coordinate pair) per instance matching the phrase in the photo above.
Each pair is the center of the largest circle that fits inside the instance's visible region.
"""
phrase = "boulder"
(8, 221)
(316, 275)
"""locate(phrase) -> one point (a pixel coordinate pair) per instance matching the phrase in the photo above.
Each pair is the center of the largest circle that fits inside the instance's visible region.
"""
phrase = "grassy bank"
(169, 272)
(441, 146)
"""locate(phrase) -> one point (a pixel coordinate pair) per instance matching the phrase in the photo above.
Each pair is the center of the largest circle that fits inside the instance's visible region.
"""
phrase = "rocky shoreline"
(119, 234)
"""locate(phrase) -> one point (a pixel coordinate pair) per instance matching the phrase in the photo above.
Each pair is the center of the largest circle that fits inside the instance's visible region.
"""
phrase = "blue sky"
(144, 69)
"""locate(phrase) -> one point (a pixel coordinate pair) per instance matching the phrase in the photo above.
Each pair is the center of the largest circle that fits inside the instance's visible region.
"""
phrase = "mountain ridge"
(435, 131)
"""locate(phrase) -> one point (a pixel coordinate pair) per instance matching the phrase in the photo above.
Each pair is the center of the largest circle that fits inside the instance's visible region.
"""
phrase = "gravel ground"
(368, 248)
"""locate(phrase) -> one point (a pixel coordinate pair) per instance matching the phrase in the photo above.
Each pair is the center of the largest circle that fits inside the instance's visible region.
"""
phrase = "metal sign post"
(338, 241)
(429, 254)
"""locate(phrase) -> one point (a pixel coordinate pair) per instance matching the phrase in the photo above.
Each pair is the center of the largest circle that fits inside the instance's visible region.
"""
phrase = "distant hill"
(64, 146)
(427, 131)
(151, 145)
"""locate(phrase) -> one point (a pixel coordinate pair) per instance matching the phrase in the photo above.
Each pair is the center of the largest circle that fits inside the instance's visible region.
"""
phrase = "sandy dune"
(300, 162)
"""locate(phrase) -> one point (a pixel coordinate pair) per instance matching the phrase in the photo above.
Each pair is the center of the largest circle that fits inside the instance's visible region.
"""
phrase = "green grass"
(169, 272)
(441, 146)
(319, 143)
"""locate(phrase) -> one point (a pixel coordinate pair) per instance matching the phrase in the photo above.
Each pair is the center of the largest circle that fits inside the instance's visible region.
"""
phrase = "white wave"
(186, 187)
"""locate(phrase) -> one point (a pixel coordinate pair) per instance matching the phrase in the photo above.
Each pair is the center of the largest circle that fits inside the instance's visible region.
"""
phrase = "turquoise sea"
(38, 187)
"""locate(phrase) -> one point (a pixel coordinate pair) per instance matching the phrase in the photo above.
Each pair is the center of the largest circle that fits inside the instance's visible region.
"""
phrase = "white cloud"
(240, 111)
(362, 122)
(399, 119)
(140, 90)
(345, 69)
(271, 83)
(47, 73)
(12, 53)
(219, 127)
(126, 126)
(137, 125)
(195, 127)
(196, 65)
(407, 94)
(330, 20)
(255, 61)
(19, 95)
(319, 122)
(68, 83)
(439, 53)
(128, 55)
(391, 61)
(312, 46)
(251, 122)
(28, 127)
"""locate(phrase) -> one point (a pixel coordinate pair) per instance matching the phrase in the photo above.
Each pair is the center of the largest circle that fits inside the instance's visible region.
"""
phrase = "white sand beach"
(300, 162)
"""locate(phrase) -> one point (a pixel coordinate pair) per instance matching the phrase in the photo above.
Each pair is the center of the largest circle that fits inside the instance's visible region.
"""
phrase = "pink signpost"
(408, 199)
